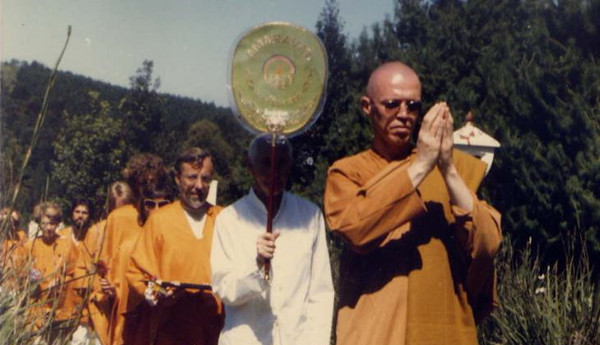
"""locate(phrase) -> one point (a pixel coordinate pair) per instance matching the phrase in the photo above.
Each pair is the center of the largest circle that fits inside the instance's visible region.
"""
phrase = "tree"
(144, 115)
(338, 128)
(91, 151)
(534, 92)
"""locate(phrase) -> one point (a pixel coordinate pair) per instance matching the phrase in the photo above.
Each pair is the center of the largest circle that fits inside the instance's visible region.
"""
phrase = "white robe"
(296, 307)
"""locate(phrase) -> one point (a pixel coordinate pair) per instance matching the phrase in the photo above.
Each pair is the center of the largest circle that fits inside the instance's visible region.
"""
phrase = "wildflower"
(35, 275)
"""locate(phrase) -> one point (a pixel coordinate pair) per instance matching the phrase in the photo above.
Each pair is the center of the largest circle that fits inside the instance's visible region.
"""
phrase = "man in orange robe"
(52, 263)
(418, 263)
(85, 295)
(175, 246)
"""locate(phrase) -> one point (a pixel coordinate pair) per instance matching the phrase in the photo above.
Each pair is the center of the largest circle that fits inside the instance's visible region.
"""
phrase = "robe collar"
(260, 208)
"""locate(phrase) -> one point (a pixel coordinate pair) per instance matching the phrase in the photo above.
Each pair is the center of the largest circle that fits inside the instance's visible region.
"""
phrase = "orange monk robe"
(122, 230)
(121, 225)
(416, 270)
(86, 286)
(55, 263)
(169, 250)
(119, 266)
(13, 259)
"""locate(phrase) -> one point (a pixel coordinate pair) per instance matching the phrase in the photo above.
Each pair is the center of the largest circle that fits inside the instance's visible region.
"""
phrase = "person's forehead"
(81, 208)
(51, 211)
(397, 87)
(206, 166)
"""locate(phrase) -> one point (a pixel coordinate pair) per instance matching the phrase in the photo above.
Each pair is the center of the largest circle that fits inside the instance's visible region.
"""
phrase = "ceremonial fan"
(277, 85)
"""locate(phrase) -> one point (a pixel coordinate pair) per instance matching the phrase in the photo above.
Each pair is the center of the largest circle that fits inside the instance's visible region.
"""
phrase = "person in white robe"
(295, 306)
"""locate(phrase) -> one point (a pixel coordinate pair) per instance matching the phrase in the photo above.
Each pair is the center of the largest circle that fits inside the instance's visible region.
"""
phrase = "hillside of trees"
(92, 128)
(528, 68)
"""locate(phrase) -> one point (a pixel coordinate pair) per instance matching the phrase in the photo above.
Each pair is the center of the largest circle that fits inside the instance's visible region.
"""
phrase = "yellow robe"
(122, 230)
(56, 263)
(415, 270)
(121, 226)
(13, 259)
(97, 311)
(168, 250)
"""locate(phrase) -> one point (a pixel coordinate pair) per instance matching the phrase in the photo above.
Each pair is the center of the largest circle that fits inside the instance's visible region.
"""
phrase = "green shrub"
(543, 305)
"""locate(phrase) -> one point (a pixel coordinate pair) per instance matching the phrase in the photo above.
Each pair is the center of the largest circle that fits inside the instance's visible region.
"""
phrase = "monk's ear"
(365, 104)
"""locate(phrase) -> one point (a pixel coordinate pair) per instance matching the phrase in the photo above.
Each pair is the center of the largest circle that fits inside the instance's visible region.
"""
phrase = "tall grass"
(550, 305)
(17, 291)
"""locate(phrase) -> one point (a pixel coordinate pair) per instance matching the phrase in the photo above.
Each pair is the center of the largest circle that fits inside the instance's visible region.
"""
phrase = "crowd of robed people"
(416, 266)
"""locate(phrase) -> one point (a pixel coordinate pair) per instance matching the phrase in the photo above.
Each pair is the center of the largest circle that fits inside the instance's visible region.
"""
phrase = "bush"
(543, 305)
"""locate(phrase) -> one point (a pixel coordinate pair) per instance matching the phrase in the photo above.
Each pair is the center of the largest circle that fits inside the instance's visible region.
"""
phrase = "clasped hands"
(434, 144)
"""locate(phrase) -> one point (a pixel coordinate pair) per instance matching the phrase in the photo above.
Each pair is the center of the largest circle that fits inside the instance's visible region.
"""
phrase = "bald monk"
(52, 266)
(418, 264)
(175, 246)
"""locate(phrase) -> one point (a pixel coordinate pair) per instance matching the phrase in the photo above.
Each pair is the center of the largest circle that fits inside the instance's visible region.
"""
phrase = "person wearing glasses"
(174, 249)
(143, 173)
(417, 267)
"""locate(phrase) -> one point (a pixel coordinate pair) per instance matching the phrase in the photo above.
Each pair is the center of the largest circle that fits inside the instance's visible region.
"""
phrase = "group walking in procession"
(167, 265)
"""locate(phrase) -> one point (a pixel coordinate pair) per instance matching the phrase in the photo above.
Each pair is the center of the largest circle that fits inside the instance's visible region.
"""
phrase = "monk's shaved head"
(392, 102)
(391, 73)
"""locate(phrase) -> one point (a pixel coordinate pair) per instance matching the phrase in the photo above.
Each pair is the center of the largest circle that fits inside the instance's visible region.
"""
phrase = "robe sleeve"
(70, 262)
(480, 235)
(144, 261)
(321, 293)
(363, 213)
(234, 279)
(111, 240)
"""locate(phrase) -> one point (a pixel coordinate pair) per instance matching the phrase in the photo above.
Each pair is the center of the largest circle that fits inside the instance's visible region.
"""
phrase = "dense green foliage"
(92, 128)
(529, 69)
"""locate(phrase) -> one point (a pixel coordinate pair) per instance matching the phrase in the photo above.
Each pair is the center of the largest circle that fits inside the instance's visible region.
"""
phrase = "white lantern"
(474, 141)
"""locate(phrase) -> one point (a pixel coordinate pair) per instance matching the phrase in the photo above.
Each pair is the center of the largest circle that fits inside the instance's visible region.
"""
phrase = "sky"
(189, 41)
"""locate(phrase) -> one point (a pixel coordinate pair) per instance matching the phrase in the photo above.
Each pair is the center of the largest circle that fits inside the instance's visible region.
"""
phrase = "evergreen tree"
(536, 91)
(143, 113)
(90, 153)
(340, 129)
